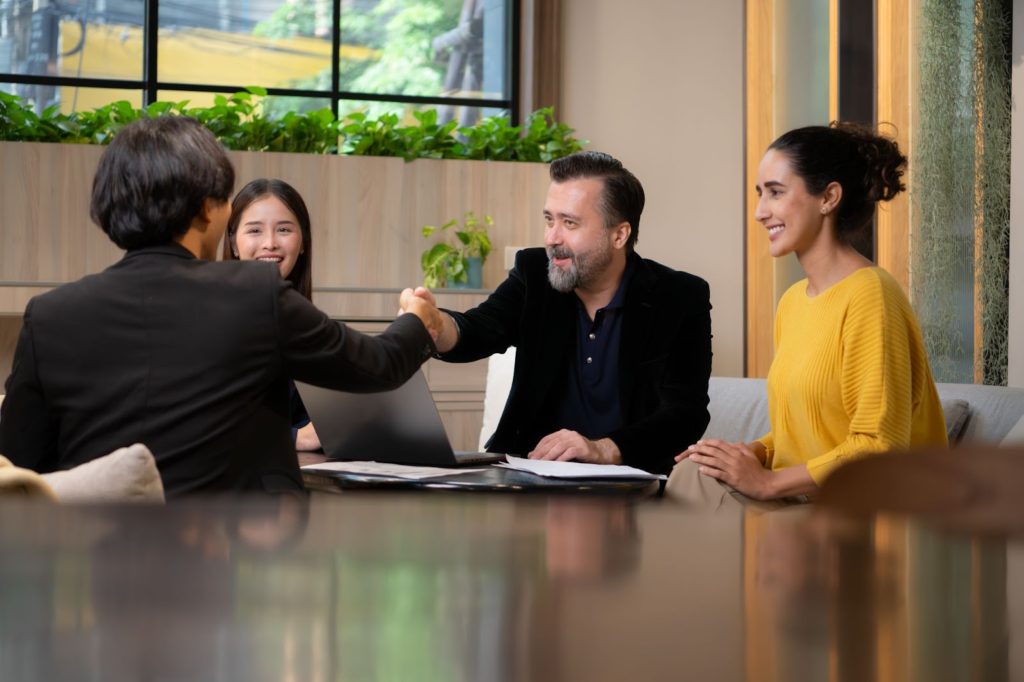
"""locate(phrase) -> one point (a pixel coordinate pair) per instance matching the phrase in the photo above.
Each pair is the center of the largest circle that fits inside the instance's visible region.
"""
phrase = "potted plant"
(457, 263)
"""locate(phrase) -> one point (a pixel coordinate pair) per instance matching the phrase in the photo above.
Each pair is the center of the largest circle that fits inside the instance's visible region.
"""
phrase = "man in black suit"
(613, 351)
(187, 356)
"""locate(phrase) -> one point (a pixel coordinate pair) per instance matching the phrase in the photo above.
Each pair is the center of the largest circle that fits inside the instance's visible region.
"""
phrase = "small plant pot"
(474, 275)
(475, 272)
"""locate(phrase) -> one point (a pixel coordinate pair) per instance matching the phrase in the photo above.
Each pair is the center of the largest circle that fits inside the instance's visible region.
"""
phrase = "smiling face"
(268, 231)
(580, 247)
(795, 218)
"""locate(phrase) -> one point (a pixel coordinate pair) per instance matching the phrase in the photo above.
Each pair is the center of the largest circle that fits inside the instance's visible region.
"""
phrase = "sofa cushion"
(1016, 435)
(956, 411)
(994, 410)
(125, 475)
(739, 409)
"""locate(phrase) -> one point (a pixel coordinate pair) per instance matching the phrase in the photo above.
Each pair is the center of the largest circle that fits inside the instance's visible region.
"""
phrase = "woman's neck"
(828, 263)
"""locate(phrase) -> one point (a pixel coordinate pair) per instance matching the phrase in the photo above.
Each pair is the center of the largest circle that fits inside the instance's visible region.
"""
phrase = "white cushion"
(125, 475)
(500, 368)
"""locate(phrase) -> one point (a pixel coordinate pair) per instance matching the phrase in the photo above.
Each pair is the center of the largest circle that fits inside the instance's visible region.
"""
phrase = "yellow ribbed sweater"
(850, 376)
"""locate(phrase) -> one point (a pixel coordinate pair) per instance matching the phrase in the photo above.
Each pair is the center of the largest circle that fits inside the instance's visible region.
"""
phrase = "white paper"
(553, 469)
(413, 473)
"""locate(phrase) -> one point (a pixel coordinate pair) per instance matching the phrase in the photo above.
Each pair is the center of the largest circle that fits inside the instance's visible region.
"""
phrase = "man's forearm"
(449, 333)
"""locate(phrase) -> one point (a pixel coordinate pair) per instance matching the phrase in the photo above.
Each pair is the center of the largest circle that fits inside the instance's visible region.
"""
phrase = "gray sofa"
(975, 414)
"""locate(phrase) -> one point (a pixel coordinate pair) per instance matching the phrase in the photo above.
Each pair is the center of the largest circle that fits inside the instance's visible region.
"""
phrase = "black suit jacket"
(192, 359)
(664, 357)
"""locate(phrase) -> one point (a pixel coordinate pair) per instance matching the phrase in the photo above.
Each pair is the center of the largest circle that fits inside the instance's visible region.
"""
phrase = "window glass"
(73, 98)
(272, 106)
(394, 48)
(85, 39)
(465, 115)
(277, 44)
(453, 48)
(70, 98)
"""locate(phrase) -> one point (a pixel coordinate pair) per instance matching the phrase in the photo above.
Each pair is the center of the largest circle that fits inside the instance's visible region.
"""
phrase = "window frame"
(150, 85)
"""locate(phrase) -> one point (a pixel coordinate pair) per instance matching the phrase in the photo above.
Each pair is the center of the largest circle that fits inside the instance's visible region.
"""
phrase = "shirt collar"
(619, 299)
(169, 249)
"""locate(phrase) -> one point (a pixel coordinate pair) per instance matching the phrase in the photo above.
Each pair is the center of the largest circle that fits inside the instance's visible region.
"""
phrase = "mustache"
(560, 252)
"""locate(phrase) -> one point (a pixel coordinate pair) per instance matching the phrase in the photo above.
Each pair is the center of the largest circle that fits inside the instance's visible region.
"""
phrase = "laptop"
(401, 426)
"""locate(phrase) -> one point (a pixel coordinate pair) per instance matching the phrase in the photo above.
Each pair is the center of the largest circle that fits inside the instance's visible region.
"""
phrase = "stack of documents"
(413, 473)
(552, 469)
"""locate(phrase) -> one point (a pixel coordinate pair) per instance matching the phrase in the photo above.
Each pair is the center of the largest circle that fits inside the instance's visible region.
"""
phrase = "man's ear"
(204, 218)
(621, 234)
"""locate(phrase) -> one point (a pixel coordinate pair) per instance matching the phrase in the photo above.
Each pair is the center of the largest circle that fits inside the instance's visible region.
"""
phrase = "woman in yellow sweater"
(850, 374)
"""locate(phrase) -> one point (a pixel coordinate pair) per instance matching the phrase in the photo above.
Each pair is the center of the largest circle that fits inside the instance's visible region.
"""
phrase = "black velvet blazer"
(664, 357)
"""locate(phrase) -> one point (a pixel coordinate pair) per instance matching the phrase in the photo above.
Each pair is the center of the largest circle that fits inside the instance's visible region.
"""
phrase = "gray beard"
(561, 280)
(583, 269)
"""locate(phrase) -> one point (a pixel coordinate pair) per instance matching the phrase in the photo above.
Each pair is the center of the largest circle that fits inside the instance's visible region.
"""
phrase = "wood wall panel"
(46, 232)
(894, 78)
(10, 328)
(760, 93)
(366, 211)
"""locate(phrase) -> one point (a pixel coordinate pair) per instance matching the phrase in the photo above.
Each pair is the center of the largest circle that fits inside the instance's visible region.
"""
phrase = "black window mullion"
(513, 38)
(150, 29)
(335, 55)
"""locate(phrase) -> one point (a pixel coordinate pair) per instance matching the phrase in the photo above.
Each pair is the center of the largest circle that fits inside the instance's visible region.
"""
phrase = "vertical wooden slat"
(547, 54)
(894, 77)
(833, 60)
(979, 198)
(760, 90)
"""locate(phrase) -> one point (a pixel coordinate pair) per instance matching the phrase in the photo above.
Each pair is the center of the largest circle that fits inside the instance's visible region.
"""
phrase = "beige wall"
(1016, 341)
(659, 84)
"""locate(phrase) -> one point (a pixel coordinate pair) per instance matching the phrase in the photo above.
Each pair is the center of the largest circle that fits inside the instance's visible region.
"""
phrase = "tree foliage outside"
(398, 35)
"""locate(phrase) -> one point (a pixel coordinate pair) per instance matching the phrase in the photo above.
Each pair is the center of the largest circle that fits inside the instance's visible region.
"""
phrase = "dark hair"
(623, 196)
(301, 275)
(152, 180)
(866, 165)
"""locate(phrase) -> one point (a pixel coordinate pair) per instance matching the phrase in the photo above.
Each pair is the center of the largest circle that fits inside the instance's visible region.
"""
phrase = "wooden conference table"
(389, 586)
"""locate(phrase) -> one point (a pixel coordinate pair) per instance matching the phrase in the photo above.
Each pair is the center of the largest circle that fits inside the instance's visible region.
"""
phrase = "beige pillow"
(15, 481)
(125, 475)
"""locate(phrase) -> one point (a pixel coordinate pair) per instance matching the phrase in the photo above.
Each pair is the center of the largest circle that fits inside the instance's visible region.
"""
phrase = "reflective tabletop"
(389, 586)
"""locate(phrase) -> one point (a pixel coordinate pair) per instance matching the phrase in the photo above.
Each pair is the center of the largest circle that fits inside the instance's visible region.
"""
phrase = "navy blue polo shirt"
(589, 402)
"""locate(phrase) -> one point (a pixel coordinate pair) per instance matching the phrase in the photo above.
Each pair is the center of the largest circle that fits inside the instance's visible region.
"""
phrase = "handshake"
(421, 303)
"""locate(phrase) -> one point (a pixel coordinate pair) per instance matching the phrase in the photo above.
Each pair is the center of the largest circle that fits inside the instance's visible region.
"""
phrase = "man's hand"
(568, 445)
(306, 439)
(449, 334)
(426, 295)
(735, 464)
(424, 309)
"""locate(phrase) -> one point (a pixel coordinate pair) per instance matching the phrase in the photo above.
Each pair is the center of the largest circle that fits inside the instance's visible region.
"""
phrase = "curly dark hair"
(868, 166)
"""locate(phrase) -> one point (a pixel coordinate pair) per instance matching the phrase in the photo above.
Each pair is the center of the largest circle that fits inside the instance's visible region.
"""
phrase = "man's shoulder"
(664, 276)
(65, 295)
(236, 280)
(532, 260)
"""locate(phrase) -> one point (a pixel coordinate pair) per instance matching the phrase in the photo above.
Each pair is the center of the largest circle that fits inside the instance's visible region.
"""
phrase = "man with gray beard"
(613, 351)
